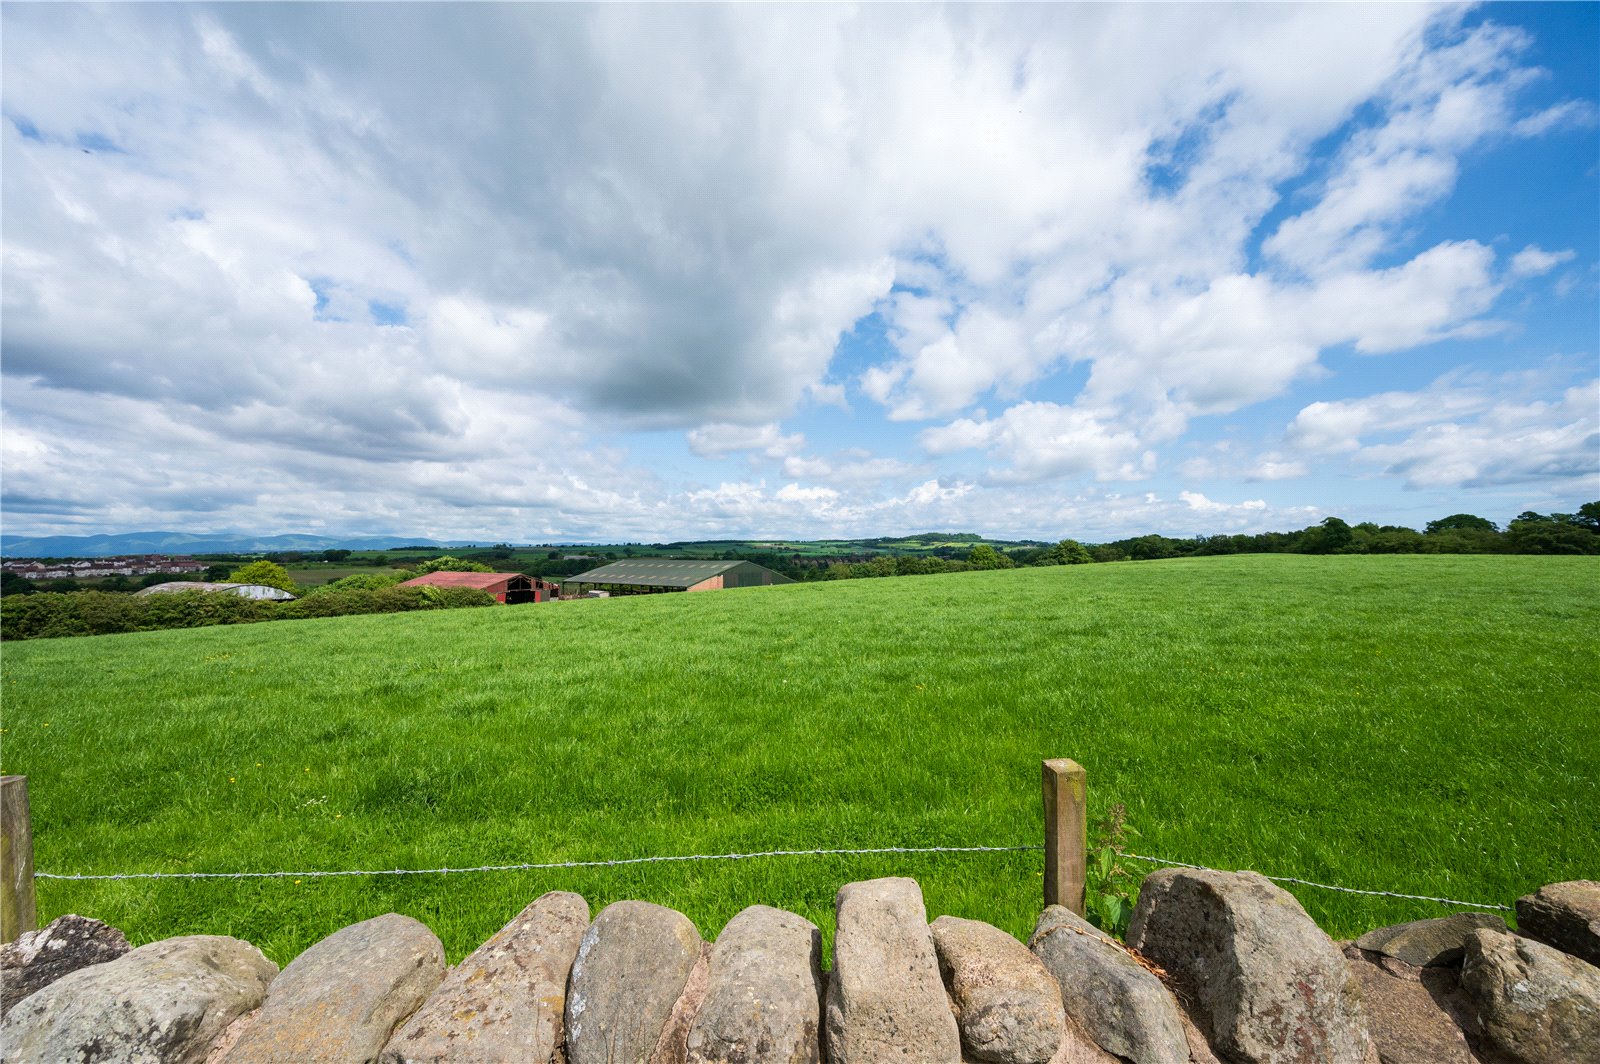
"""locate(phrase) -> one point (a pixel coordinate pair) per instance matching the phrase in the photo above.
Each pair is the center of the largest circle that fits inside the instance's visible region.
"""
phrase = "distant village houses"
(88, 569)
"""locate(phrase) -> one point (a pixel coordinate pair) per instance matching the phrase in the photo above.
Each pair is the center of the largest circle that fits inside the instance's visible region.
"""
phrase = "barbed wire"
(1330, 886)
(622, 861)
(613, 863)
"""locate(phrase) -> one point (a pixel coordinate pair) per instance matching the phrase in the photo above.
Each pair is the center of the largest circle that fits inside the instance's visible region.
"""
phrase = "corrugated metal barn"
(250, 591)
(510, 588)
(643, 576)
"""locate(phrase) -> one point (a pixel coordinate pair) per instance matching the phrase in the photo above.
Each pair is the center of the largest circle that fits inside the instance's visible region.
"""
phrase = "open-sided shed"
(646, 575)
(510, 588)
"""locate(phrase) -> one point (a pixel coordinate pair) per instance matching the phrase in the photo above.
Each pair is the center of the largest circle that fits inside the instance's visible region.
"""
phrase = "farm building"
(510, 588)
(251, 591)
(642, 576)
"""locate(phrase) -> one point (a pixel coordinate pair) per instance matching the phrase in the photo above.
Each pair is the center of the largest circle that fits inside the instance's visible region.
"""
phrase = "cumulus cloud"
(1040, 441)
(1453, 436)
(1199, 503)
(716, 441)
(1533, 261)
(310, 265)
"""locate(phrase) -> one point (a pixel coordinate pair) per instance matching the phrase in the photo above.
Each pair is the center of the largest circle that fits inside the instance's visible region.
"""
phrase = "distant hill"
(100, 546)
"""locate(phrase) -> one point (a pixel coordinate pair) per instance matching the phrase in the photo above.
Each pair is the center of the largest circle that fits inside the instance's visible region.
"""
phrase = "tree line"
(1527, 533)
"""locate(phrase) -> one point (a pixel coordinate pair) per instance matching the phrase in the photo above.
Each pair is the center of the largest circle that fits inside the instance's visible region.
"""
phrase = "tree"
(1334, 534)
(335, 555)
(263, 572)
(1069, 552)
(448, 564)
(15, 584)
(1588, 516)
(1460, 523)
(983, 556)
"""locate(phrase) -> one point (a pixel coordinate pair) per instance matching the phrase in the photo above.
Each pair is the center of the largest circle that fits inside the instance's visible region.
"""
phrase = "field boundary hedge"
(53, 614)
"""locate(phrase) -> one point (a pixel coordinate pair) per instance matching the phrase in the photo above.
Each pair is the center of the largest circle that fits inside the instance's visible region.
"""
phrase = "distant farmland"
(1417, 724)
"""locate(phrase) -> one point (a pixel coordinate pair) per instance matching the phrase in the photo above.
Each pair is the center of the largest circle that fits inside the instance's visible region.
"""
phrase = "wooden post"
(1065, 833)
(17, 911)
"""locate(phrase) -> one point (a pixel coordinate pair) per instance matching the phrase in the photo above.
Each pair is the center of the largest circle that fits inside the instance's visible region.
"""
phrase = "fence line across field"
(613, 863)
(1065, 856)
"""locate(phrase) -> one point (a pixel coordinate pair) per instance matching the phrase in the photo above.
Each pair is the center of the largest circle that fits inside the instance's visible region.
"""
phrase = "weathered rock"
(1415, 1015)
(886, 1001)
(38, 958)
(1008, 1007)
(673, 1045)
(764, 999)
(1537, 1004)
(1564, 915)
(1123, 1007)
(1428, 943)
(341, 999)
(163, 1003)
(632, 966)
(1263, 981)
(506, 1001)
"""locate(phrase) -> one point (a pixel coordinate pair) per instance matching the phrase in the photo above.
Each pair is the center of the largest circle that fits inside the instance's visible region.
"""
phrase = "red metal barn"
(510, 588)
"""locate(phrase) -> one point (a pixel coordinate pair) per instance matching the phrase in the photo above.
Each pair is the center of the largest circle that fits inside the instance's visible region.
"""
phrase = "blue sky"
(565, 272)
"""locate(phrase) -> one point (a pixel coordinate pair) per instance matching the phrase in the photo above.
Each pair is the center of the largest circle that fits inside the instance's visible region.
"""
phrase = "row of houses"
(125, 565)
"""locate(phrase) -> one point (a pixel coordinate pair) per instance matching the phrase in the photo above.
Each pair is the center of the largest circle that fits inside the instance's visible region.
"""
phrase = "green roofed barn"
(638, 576)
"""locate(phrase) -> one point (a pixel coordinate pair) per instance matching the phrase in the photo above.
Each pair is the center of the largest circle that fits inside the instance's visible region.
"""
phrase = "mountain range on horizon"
(105, 545)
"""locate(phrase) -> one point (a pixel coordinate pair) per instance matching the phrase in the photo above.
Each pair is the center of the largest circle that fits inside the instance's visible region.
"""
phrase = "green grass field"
(1429, 725)
(315, 574)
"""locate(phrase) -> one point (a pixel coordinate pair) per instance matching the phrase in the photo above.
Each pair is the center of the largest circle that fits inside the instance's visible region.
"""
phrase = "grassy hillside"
(1417, 724)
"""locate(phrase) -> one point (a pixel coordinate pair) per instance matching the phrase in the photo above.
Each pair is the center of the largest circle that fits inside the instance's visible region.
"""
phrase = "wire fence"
(622, 861)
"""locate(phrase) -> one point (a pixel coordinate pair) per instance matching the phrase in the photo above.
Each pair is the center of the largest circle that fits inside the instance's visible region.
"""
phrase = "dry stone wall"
(1220, 968)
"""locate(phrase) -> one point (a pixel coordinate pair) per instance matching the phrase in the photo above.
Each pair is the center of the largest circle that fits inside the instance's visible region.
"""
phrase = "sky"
(564, 272)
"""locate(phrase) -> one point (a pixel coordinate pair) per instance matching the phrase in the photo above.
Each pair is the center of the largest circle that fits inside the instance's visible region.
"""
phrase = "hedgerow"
(49, 615)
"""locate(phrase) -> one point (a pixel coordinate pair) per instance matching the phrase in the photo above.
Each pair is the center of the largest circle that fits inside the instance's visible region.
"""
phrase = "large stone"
(1078, 1048)
(38, 958)
(1117, 1002)
(1428, 943)
(506, 1001)
(341, 1000)
(1415, 1015)
(1264, 983)
(673, 1045)
(1008, 1007)
(1564, 915)
(159, 1004)
(1537, 1004)
(764, 998)
(886, 1001)
(632, 966)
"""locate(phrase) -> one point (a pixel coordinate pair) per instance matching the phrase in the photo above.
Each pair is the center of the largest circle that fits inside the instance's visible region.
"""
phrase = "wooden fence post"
(1065, 833)
(17, 911)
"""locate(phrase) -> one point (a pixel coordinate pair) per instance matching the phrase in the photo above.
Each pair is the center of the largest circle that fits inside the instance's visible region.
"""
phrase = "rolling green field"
(1428, 725)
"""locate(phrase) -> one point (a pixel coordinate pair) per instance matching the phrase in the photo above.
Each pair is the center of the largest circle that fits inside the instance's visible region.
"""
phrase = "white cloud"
(1041, 441)
(1532, 261)
(718, 441)
(1276, 467)
(1566, 114)
(1453, 436)
(1199, 503)
(250, 238)
(1441, 103)
(1337, 427)
(846, 469)
(811, 495)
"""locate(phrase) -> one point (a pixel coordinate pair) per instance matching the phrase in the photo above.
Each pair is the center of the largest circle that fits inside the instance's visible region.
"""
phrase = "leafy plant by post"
(1111, 886)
